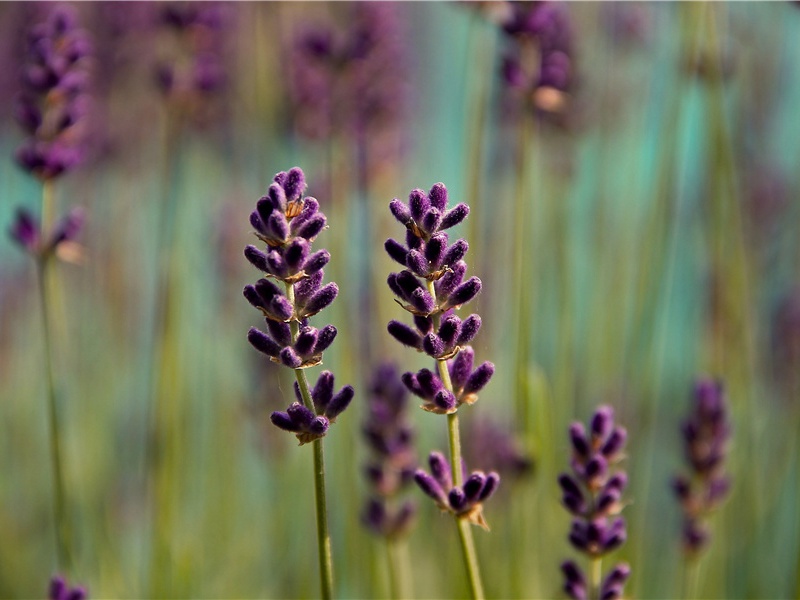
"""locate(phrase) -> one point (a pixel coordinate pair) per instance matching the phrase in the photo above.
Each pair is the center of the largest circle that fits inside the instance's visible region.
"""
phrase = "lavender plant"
(390, 470)
(51, 109)
(60, 590)
(705, 434)
(539, 63)
(593, 495)
(432, 287)
(288, 223)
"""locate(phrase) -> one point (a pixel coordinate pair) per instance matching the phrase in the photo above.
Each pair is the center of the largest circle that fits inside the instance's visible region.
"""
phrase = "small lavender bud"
(461, 367)
(313, 227)
(577, 435)
(295, 184)
(489, 486)
(400, 211)
(440, 469)
(479, 378)
(445, 400)
(284, 421)
(257, 258)
(451, 279)
(602, 421)
(469, 329)
(325, 338)
(454, 216)
(25, 231)
(614, 443)
(473, 486)
(433, 345)
(418, 203)
(306, 340)
(431, 487)
(339, 402)
(316, 261)
(457, 500)
(404, 334)
(396, 251)
(417, 263)
(280, 331)
(435, 249)
(320, 300)
(421, 301)
(431, 220)
(464, 292)
(263, 343)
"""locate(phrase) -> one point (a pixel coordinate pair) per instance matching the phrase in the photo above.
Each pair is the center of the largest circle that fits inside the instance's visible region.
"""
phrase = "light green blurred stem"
(399, 569)
(323, 537)
(691, 577)
(47, 283)
(596, 567)
(464, 531)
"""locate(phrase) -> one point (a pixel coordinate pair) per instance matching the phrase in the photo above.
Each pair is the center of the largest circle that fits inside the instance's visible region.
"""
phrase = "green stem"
(323, 537)
(691, 577)
(596, 567)
(399, 569)
(464, 531)
(46, 285)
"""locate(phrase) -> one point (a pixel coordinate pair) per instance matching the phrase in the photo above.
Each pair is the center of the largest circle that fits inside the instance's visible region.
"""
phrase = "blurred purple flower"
(60, 590)
(390, 438)
(705, 434)
(592, 493)
(53, 103)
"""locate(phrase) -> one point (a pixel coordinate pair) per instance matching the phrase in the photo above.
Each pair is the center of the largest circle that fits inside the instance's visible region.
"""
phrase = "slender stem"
(323, 536)
(596, 565)
(464, 530)
(399, 569)
(691, 577)
(46, 284)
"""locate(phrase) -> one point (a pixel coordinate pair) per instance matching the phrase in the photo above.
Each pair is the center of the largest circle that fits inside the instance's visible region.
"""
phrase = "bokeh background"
(635, 227)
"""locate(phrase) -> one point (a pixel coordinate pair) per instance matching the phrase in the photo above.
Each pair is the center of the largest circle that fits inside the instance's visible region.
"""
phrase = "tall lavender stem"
(442, 335)
(287, 223)
(46, 282)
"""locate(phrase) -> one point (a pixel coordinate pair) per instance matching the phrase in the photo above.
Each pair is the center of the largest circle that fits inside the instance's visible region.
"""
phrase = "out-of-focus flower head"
(54, 102)
(539, 64)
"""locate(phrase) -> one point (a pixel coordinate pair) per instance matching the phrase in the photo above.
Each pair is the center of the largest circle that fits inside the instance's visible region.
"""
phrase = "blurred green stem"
(323, 537)
(464, 531)
(399, 569)
(46, 289)
(596, 569)
(691, 577)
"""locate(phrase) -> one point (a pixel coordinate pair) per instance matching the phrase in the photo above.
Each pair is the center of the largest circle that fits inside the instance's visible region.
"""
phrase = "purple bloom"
(53, 101)
(465, 501)
(390, 439)
(60, 590)
(705, 432)
(592, 493)
(25, 231)
(539, 62)
(287, 223)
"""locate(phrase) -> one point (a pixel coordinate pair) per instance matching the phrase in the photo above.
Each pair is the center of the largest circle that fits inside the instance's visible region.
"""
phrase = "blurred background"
(633, 172)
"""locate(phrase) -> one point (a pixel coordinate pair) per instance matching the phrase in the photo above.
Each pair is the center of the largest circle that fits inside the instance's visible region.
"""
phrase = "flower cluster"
(26, 232)
(60, 590)
(351, 78)
(705, 433)
(593, 494)
(54, 100)
(390, 439)
(432, 287)
(288, 223)
(195, 69)
(465, 501)
(540, 63)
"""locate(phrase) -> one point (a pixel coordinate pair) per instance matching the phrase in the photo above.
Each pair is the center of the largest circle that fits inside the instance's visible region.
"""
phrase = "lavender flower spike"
(60, 590)
(705, 432)
(289, 292)
(592, 493)
(53, 102)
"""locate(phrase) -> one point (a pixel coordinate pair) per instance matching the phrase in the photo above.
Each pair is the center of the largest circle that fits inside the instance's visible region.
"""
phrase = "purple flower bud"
(614, 443)
(469, 329)
(404, 334)
(257, 258)
(263, 343)
(433, 345)
(445, 400)
(418, 203)
(438, 196)
(451, 280)
(290, 358)
(276, 265)
(431, 487)
(577, 435)
(457, 499)
(320, 300)
(400, 211)
(312, 228)
(396, 251)
(417, 263)
(602, 422)
(440, 469)
(316, 261)
(339, 402)
(435, 249)
(284, 421)
(473, 486)
(431, 220)
(479, 378)
(421, 301)
(325, 338)
(464, 292)
(306, 340)
(490, 485)
(461, 367)
(454, 216)
(280, 331)
(276, 197)
(295, 254)
(25, 230)
(295, 184)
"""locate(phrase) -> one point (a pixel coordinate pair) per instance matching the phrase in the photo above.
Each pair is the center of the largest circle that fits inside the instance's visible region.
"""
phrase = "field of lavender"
(550, 252)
